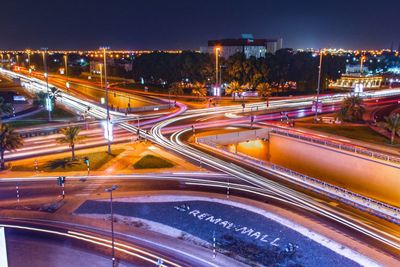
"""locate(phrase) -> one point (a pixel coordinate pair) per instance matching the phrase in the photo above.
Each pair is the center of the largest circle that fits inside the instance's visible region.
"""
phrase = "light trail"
(283, 192)
(126, 249)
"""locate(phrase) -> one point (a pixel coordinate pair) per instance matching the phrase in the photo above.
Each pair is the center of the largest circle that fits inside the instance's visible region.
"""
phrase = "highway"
(272, 189)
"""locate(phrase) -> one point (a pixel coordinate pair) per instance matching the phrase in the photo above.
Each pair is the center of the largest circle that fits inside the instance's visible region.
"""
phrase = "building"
(96, 64)
(354, 80)
(246, 44)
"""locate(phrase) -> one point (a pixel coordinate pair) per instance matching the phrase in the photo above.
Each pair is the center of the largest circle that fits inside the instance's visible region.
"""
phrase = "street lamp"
(361, 65)
(46, 75)
(28, 52)
(66, 70)
(110, 190)
(217, 49)
(101, 74)
(321, 53)
(106, 87)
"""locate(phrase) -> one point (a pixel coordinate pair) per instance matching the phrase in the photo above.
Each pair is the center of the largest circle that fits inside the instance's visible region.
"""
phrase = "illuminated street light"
(66, 70)
(217, 49)
(107, 107)
(110, 190)
(361, 64)
(46, 75)
(321, 53)
(28, 53)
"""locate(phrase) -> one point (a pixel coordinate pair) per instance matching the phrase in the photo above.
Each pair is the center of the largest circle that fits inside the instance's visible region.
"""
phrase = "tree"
(264, 90)
(71, 137)
(176, 89)
(392, 124)
(41, 98)
(5, 108)
(352, 108)
(9, 141)
(199, 89)
(233, 89)
(54, 94)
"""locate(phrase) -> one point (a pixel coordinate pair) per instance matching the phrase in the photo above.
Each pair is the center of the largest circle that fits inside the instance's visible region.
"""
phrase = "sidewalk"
(121, 164)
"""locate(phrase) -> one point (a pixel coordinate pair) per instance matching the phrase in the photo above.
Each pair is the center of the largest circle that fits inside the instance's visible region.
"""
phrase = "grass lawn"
(41, 118)
(152, 162)
(56, 114)
(96, 159)
(25, 123)
(362, 133)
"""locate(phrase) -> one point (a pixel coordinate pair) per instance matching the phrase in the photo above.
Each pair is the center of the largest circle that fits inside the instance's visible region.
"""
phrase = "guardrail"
(340, 146)
(372, 206)
(235, 137)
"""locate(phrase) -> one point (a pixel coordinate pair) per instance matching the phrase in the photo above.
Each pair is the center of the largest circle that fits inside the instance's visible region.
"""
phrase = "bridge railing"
(370, 205)
(340, 146)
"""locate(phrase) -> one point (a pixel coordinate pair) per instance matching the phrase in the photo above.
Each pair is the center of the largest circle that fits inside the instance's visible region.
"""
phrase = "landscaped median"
(96, 160)
(124, 159)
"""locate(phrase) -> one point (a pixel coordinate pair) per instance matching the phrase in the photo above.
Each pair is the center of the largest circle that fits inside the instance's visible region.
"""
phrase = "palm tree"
(234, 88)
(352, 108)
(54, 94)
(71, 137)
(392, 123)
(264, 90)
(199, 89)
(9, 141)
(5, 108)
(41, 98)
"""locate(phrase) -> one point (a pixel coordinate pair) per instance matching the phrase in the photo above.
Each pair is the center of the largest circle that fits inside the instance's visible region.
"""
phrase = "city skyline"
(153, 25)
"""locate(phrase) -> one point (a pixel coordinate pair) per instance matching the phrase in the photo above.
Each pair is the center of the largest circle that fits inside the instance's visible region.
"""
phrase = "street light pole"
(66, 70)
(107, 107)
(361, 65)
(28, 52)
(321, 52)
(216, 65)
(47, 79)
(101, 75)
(110, 190)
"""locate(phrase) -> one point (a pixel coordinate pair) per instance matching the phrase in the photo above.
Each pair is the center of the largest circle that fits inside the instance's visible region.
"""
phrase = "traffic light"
(86, 161)
(61, 180)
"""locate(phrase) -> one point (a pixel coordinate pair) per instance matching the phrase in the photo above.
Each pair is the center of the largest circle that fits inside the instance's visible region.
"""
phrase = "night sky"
(188, 24)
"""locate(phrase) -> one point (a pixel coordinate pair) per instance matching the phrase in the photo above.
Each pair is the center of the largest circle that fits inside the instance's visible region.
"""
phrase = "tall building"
(246, 44)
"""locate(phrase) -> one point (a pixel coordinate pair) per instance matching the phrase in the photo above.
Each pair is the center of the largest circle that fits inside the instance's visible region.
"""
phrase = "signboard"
(19, 98)
(49, 104)
(359, 88)
(316, 106)
(108, 135)
(3, 248)
(217, 91)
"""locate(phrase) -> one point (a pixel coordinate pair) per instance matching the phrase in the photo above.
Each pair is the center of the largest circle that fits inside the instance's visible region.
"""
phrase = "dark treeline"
(279, 69)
